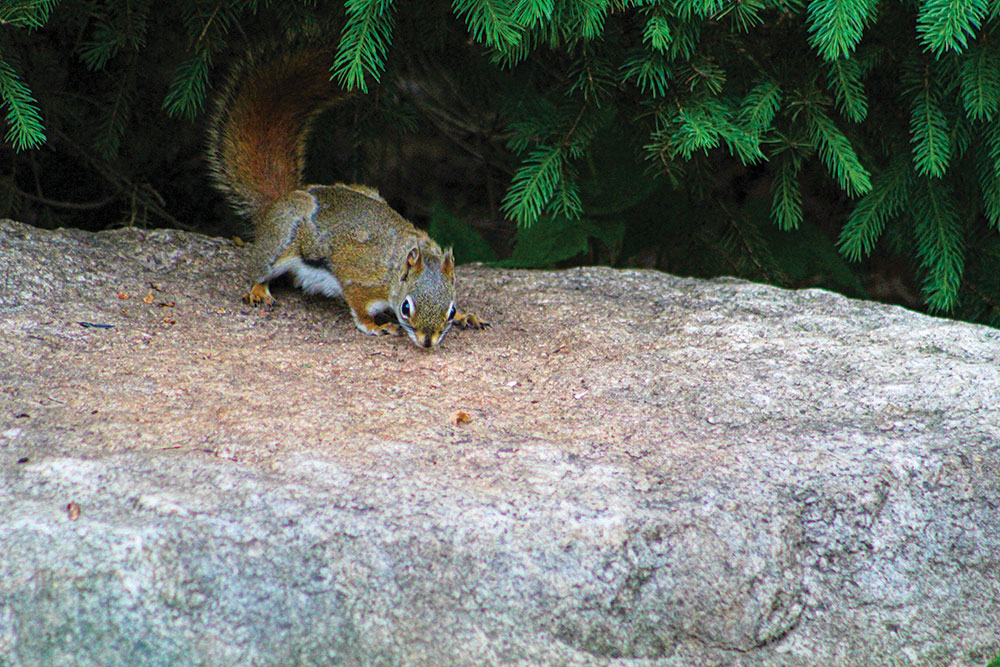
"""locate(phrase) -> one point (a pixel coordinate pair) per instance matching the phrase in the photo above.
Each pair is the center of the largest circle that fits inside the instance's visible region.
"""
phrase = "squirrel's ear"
(448, 264)
(413, 262)
(413, 258)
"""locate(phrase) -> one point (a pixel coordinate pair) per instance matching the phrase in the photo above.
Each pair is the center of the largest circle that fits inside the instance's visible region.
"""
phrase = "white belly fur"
(311, 279)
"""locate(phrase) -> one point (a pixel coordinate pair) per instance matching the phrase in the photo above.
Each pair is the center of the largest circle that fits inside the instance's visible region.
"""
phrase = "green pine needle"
(760, 106)
(649, 69)
(703, 74)
(124, 26)
(697, 130)
(887, 198)
(539, 121)
(929, 136)
(684, 41)
(939, 242)
(786, 202)
(844, 78)
(744, 14)
(364, 42)
(31, 14)
(114, 118)
(566, 201)
(836, 26)
(490, 22)
(594, 79)
(24, 120)
(948, 24)
(687, 9)
(97, 52)
(534, 184)
(837, 154)
(979, 75)
(991, 136)
(657, 32)
(989, 186)
(531, 13)
(187, 92)
(706, 124)
(585, 19)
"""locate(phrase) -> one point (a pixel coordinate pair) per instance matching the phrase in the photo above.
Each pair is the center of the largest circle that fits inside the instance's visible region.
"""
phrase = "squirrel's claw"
(387, 329)
(367, 324)
(259, 295)
(469, 321)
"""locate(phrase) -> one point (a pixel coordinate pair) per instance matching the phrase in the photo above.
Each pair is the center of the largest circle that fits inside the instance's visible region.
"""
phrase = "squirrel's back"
(258, 132)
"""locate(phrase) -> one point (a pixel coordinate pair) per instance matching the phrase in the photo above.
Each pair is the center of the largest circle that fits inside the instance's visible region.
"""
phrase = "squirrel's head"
(424, 304)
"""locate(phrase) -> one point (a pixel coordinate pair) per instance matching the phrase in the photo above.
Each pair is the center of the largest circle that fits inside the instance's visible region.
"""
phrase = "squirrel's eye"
(407, 308)
(451, 313)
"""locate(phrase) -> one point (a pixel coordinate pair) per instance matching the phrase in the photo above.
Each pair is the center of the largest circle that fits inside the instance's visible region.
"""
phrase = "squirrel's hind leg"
(259, 295)
(276, 248)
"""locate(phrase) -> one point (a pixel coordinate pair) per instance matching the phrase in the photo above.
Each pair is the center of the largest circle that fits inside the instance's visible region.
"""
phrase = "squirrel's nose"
(424, 340)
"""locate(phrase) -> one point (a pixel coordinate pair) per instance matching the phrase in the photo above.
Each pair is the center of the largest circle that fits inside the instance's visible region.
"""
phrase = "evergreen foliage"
(695, 135)
(365, 41)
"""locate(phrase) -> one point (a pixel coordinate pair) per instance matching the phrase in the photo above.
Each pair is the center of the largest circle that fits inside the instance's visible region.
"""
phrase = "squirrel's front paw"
(469, 321)
(387, 329)
(259, 295)
(368, 326)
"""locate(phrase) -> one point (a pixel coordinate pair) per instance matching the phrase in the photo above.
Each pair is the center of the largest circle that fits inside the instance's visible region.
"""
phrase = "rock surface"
(655, 471)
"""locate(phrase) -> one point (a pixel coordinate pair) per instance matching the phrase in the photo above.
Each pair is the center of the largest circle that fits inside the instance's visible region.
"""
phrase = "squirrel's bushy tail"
(257, 134)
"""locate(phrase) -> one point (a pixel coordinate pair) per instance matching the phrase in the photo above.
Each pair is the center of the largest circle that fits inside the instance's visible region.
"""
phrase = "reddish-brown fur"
(259, 131)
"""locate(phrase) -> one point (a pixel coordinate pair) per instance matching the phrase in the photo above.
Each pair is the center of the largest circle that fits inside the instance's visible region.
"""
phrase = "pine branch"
(565, 201)
(489, 21)
(703, 125)
(887, 199)
(939, 242)
(186, 94)
(127, 26)
(685, 40)
(843, 77)
(584, 19)
(745, 249)
(744, 14)
(979, 74)
(534, 184)
(115, 116)
(364, 42)
(687, 9)
(836, 26)
(657, 33)
(703, 74)
(30, 14)
(649, 70)
(594, 78)
(929, 135)
(786, 196)
(24, 120)
(545, 180)
(531, 13)
(760, 106)
(988, 173)
(948, 24)
(837, 153)
(990, 132)
(539, 122)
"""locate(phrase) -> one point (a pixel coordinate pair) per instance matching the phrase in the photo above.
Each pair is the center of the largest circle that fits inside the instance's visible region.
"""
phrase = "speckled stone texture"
(654, 471)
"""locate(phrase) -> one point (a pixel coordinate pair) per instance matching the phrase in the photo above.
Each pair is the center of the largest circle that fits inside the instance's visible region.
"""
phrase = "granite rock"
(653, 471)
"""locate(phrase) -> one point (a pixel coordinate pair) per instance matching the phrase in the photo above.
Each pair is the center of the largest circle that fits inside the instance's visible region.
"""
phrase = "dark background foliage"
(847, 144)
